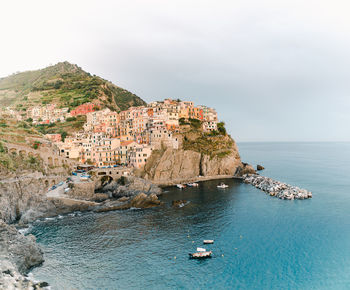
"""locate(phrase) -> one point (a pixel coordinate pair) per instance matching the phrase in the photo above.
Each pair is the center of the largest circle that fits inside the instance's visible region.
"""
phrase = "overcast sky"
(274, 70)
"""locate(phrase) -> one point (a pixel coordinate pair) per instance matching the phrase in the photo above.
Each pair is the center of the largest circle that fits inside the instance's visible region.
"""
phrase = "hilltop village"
(127, 138)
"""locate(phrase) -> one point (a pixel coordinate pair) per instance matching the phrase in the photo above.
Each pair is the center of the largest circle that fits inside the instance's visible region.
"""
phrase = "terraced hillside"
(66, 85)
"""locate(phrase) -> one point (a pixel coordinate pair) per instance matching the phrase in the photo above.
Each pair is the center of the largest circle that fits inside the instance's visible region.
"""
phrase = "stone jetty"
(276, 188)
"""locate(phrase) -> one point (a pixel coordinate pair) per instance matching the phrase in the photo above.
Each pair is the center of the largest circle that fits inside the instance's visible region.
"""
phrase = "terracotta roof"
(126, 143)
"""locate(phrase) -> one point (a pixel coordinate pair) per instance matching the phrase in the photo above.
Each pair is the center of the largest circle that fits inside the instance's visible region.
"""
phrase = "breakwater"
(276, 188)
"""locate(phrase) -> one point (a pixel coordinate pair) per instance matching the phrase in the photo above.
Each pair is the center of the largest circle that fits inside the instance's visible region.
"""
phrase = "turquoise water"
(260, 242)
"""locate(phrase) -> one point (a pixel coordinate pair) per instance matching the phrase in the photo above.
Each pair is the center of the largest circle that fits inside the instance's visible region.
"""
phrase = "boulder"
(131, 186)
(141, 200)
(18, 254)
(244, 169)
(145, 201)
(178, 203)
(260, 167)
(22, 251)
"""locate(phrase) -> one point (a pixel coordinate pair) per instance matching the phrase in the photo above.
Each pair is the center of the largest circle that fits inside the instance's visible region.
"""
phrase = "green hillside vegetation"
(16, 132)
(66, 85)
(215, 144)
(73, 124)
(13, 162)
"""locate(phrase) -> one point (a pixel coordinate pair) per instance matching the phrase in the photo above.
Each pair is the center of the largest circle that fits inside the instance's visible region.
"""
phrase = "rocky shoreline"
(18, 254)
(276, 188)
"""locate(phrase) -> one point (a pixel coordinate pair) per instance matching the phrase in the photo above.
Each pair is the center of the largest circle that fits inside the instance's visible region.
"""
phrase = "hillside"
(66, 85)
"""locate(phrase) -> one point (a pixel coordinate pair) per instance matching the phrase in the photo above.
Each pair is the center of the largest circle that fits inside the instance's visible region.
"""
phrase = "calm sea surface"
(261, 242)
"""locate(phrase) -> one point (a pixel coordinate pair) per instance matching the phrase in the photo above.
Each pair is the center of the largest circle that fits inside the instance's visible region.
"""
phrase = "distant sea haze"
(261, 242)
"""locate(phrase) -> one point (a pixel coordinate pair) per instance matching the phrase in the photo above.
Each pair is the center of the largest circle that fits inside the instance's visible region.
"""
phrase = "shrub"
(36, 145)
(63, 135)
(3, 149)
(221, 128)
(32, 160)
(195, 123)
(71, 119)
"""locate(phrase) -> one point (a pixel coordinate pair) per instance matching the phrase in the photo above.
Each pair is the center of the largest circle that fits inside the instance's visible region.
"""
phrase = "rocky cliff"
(18, 254)
(201, 156)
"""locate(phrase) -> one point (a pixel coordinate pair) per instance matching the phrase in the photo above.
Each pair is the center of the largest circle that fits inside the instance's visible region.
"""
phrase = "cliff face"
(171, 166)
(18, 253)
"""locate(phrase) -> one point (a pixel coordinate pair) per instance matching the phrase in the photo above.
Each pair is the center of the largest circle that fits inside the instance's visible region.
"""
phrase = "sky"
(275, 70)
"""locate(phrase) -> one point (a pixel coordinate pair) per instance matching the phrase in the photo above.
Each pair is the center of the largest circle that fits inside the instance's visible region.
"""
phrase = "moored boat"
(222, 185)
(193, 184)
(200, 255)
(208, 241)
(181, 186)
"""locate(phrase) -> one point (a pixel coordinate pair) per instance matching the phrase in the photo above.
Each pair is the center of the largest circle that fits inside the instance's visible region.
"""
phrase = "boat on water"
(193, 184)
(181, 186)
(200, 254)
(208, 241)
(222, 185)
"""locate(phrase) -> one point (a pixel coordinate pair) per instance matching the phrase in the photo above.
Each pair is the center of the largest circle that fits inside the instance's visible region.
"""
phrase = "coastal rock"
(22, 195)
(243, 169)
(179, 203)
(260, 167)
(141, 200)
(174, 165)
(276, 188)
(180, 166)
(20, 250)
(131, 186)
(212, 166)
(24, 201)
(18, 254)
(145, 201)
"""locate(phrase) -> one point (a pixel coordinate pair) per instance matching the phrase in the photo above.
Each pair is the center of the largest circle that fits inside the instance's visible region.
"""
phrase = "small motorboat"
(208, 242)
(193, 184)
(200, 254)
(181, 186)
(222, 185)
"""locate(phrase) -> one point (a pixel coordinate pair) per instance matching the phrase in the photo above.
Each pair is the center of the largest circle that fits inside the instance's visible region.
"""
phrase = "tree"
(221, 128)
(63, 135)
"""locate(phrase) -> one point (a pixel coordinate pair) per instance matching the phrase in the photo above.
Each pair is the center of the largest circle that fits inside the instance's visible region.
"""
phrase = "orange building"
(83, 109)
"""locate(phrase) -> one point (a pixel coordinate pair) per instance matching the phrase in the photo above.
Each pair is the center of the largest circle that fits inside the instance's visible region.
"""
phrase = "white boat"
(200, 255)
(208, 241)
(201, 250)
(193, 184)
(222, 185)
(181, 186)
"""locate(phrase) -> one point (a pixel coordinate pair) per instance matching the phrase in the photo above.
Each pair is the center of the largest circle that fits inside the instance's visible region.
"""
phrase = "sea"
(261, 242)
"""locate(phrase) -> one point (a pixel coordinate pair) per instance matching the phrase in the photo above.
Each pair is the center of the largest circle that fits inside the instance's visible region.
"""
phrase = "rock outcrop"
(201, 156)
(24, 200)
(130, 186)
(179, 203)
(21, 195)
(177, 166)
(243, 169)
(18, 254)
(260, 167)
(141, 200)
